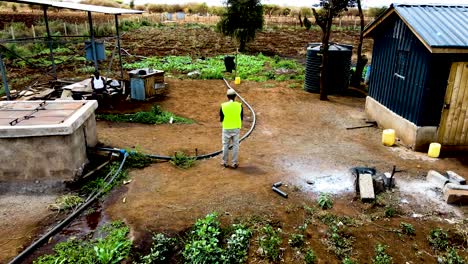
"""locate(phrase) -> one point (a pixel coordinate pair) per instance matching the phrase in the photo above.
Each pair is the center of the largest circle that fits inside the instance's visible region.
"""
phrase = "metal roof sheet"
(438, 25)
(441, 28)
(81, 7)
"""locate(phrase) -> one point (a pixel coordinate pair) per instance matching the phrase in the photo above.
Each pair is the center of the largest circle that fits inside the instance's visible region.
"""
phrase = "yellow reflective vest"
(232, 115)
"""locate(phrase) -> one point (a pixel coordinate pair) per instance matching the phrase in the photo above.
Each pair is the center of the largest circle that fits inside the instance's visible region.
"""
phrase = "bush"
(155, 116)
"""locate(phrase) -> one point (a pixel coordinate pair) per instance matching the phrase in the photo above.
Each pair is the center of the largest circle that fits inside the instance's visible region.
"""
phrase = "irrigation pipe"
(70, 217)
(209, 155)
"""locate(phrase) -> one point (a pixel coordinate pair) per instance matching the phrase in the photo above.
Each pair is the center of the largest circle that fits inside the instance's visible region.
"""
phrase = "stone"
(366, 187)
(456, 193)
(455, 178)
(437, 179)
(194, 74)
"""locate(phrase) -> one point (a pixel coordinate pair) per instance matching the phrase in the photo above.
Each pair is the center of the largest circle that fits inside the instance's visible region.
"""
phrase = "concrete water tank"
(339, 66)
(45, 141)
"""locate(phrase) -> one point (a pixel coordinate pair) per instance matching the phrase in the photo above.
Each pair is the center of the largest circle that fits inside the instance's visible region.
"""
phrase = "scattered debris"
(369, 124)
(277, 184)
(437, 179)
(127, 182)
(285, 195)
(453, 185)
(310, 182)
(124, 200)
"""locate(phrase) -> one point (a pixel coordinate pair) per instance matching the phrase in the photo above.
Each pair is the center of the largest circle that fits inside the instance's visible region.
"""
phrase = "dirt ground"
(297, 138)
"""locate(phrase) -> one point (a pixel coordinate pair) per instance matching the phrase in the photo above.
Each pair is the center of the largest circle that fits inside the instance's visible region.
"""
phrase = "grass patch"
(138, 160)
(182, 160)
(100, 182)
(66, 202)
(407, 229)
(339, 242)
(111, 246)
(452, 257)
(310, 257)
(155, 116)
(252, 68)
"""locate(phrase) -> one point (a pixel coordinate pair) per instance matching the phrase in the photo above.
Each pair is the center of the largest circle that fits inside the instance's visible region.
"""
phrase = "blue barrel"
(100, 51)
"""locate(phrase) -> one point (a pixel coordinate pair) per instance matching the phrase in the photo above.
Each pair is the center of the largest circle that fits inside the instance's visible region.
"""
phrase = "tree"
(241, 20)
(361, 60)
(324, 18)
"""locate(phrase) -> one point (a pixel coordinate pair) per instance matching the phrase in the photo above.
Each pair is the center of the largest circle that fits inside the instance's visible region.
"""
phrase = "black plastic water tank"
(339, 64)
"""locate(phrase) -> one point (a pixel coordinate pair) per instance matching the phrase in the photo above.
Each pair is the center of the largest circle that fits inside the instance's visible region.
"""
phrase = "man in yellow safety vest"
(231, 115)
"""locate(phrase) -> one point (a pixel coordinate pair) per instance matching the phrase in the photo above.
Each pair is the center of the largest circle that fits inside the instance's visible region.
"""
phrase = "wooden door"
(453, 129)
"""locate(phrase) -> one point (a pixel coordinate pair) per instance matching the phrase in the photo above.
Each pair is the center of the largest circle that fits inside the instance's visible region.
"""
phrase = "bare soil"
(297, 138)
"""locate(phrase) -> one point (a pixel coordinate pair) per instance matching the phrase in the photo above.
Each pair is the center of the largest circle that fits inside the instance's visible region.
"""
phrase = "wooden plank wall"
(454, 123)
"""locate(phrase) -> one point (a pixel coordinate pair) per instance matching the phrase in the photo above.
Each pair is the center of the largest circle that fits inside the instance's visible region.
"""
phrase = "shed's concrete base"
(418, 138)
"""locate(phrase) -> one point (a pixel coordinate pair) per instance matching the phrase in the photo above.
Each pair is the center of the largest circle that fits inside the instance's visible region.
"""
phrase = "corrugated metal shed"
(441, 28)
(81, 7)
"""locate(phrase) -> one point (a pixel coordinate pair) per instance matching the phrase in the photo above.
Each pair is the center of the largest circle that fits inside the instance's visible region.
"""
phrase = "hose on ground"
(70, 217)
(209, 155)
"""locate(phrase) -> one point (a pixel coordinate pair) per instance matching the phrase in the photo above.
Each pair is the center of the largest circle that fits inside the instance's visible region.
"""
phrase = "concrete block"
(454, 186)
(366, 187)
(459, 195)
(455, 178)
(437, 179)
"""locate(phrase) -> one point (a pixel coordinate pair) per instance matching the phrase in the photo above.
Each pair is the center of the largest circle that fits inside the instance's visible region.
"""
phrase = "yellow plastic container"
(237, 81)
(388, 137)
(434, 150)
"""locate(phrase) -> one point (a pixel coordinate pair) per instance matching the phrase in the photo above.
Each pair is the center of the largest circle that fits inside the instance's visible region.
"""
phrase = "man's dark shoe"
(235, 166)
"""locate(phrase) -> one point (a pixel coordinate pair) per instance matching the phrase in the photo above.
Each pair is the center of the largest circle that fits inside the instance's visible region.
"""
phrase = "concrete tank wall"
(47, 158)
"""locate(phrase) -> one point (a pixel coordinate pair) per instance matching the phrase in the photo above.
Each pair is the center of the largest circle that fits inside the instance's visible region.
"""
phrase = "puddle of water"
(309, 178)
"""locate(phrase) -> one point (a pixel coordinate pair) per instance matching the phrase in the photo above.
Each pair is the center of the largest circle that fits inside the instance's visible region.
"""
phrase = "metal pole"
(118, 44)
(49, 43)
(4, 78)
(93, 43)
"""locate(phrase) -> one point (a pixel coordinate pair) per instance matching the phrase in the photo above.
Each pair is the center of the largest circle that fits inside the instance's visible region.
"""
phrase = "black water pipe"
(67, 220)
(209, 155)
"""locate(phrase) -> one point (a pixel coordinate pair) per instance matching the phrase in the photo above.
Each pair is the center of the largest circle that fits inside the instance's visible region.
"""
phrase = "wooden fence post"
(12, 32)
(65, 28)
(33, 31)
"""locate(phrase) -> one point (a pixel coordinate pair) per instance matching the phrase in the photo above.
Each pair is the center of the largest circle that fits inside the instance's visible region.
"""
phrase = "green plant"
(296, 240)
(155, 116)
(270, 242)
(204, 243)
(325, 201)
(100, 182)
(238, 245)
(390, 212)
(182, 160)
(452, 257)
(309, 257)
(136, 159)
(348, 261)
(438, 239)
(160, 249)
(65, 202)
(407, 229)
(381, 257)
(339, 242)
(112, 246)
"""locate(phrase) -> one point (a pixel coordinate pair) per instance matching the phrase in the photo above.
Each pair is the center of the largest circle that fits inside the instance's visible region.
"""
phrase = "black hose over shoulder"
(67, 220)
(212, 154)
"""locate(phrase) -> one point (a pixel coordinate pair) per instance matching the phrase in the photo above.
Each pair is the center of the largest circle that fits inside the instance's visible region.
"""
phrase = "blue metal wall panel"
(137, 86)
(400, 66)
